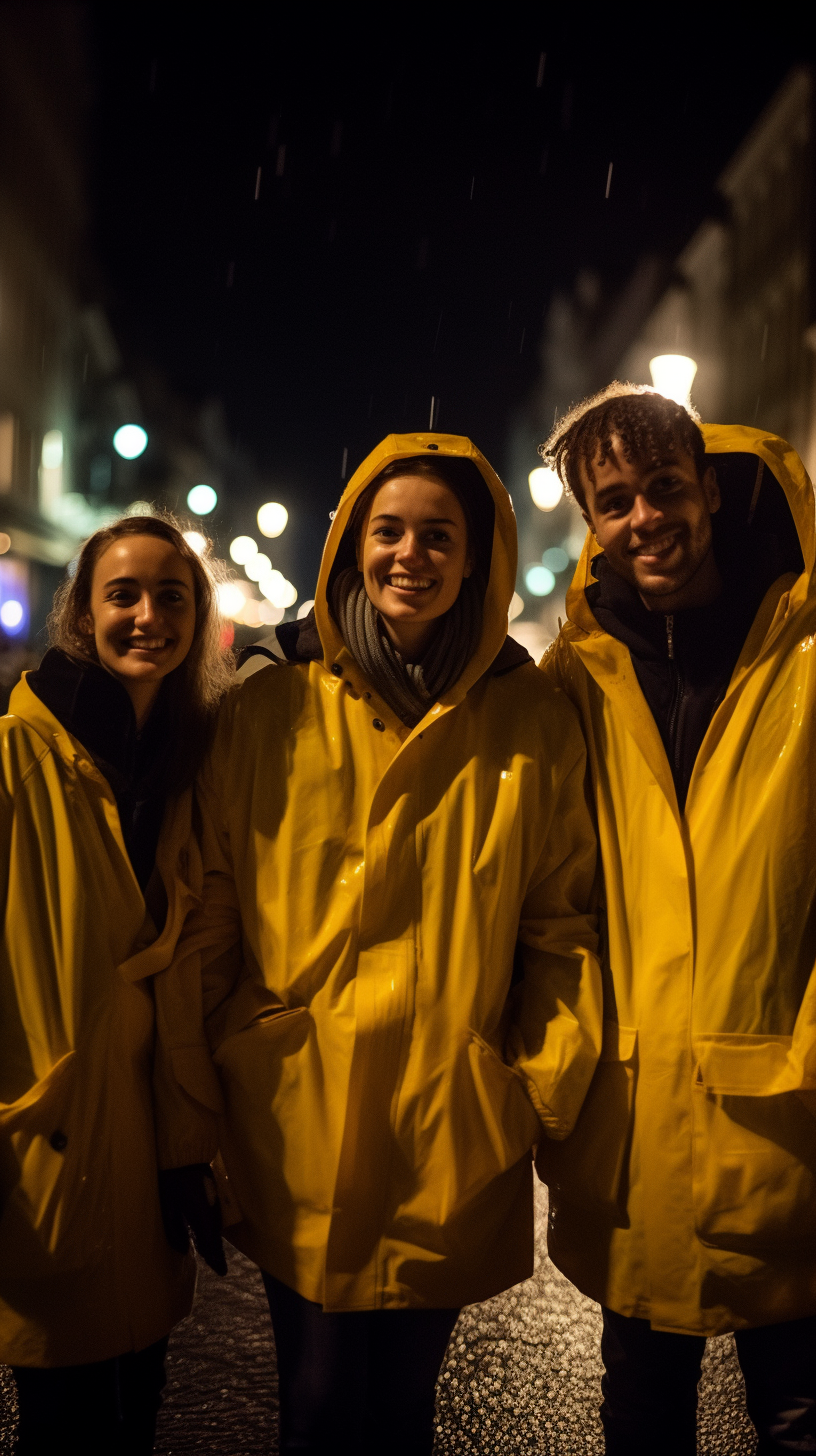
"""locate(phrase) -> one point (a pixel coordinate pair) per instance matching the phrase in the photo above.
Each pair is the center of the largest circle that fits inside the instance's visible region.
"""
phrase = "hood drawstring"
(670, 635)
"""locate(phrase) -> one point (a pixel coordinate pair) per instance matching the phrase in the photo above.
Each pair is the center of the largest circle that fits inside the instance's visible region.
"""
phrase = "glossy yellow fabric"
(378, 1128)
(687, 1194)
(85, 1270)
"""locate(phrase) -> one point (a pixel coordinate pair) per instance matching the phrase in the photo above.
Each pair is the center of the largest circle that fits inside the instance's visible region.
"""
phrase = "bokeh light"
(230, 598)
(304, 609)
(242, 550)
(195, 540)
(573, 544)
(279, 591)
(5, 543)
(257, 566)
(201, 500)
(130, 441)
(539, 580)
(52, 450)
(272, 518)
(545, 488)
(11, 615)
(556, 558)
(270, 615)
(516, 607)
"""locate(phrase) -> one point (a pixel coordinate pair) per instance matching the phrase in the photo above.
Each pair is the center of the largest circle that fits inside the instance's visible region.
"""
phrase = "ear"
(588, 519)
(469, 566)
(711, 489)
(86, 625)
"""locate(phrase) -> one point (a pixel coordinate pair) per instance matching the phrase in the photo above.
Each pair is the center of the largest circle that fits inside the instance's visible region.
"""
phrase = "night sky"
(420, 197)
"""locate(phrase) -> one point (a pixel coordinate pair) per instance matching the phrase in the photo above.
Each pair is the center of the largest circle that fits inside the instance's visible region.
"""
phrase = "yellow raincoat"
(86, 1272)
(687, 1193)
(383, 1085)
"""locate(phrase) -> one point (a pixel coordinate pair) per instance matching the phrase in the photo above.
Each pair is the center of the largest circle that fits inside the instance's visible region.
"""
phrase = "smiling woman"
(96, 757)
(142, 605)
(410, 608)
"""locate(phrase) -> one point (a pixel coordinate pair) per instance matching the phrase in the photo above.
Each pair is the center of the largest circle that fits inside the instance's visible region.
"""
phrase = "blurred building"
(43, 351)
(65, 388)
(740, 301)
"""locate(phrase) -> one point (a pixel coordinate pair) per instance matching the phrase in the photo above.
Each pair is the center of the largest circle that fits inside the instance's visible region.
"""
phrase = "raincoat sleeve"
(556, 1017)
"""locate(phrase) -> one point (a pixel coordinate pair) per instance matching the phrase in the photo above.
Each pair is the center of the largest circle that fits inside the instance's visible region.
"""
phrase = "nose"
(411, 551)
(146, 611)
(645, 516)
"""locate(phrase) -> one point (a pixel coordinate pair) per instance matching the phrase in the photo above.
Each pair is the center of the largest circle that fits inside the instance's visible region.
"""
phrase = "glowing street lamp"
(196, 541)
(130, 441)
(545, 487)
(673, 376)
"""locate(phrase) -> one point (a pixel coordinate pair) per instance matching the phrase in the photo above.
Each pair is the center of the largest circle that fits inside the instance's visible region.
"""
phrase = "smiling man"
(685, 1200)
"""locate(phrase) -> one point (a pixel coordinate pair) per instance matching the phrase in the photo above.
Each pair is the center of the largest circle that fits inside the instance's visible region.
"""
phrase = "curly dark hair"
(649, 427)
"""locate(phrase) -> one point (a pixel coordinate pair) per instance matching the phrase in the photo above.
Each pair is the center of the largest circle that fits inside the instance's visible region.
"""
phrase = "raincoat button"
(58, 1141)
(379, 725)
(337, 669)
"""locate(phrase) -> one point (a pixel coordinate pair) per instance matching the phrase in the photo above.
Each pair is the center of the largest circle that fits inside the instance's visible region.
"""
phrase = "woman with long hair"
(98, 867)
(399, 980)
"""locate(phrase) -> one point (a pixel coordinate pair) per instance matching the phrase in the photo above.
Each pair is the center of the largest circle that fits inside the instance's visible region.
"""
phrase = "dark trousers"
(650, 1386)
(105, 1409)
(357, 1381)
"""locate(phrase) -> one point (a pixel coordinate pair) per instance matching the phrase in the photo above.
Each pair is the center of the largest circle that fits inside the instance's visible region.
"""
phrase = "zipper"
(678, 696)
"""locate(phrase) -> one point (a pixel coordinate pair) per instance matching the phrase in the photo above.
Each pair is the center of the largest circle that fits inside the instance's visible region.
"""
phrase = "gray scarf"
(409, 688)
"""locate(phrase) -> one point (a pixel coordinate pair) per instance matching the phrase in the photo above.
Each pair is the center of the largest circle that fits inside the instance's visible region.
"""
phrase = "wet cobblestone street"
(521, 1376)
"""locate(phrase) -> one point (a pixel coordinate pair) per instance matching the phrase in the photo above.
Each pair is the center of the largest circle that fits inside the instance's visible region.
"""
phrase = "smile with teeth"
(658, 547)
(409, 583)
(147, 644)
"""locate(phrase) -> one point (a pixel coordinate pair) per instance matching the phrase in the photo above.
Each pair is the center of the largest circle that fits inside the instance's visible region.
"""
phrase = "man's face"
(652, 522)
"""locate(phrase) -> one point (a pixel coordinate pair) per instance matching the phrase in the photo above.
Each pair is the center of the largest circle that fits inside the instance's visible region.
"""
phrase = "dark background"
(430, 197)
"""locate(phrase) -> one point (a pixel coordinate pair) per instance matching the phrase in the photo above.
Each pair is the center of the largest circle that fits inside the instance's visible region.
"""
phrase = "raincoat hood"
(766, 514)
(503, 558)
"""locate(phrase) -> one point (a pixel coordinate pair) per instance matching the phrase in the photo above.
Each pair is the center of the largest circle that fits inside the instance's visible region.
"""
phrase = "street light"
(130, 441)
(673, 376)
(545, 487)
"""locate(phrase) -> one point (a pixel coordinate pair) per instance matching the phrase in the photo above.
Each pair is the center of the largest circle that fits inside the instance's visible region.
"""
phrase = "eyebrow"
(428, 521)
(133, 581)
(653, 475)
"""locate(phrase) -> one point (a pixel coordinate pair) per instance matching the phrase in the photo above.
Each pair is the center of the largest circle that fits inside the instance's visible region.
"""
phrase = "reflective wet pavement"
(521, 1376)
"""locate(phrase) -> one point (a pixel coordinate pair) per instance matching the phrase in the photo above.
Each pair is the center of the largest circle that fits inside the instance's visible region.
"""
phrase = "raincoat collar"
(502, 565)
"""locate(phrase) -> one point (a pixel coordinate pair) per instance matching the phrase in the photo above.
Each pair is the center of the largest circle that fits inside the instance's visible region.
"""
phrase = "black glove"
(190, 1206)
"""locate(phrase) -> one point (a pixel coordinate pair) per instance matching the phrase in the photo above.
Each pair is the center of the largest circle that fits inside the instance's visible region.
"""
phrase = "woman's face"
(143, 609)
(414, 554)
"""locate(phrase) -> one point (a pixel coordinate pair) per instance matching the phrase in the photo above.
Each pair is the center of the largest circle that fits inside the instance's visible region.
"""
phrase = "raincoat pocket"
(267, 1123)
(589, 1167)
(754, 1169)
(499, 1123)
(53, 1192)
